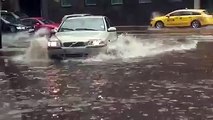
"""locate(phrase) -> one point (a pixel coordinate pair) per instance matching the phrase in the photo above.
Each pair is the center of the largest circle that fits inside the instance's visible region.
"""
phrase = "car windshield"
(88, 24)
(46, 21)
(10, 18)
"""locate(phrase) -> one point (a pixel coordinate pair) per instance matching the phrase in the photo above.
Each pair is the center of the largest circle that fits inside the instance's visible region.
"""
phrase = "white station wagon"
(81, 36)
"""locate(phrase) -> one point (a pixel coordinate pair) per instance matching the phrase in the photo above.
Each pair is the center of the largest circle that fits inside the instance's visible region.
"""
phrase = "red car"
(39, 22)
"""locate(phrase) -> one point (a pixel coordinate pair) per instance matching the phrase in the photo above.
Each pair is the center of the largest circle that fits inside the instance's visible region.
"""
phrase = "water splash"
(17, 40)
(42, 32)
(37, 51)
(126, 47)
(132, 47)
(156, 14)
(37, 48)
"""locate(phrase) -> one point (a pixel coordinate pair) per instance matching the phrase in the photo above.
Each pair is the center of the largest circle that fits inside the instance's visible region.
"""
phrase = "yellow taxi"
(194, 18)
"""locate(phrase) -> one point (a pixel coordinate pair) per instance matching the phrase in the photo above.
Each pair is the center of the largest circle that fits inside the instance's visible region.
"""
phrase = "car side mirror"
(168, 16)
(112, 29)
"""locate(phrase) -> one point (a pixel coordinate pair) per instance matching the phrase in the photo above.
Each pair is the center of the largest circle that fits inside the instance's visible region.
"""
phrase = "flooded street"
(144, 77)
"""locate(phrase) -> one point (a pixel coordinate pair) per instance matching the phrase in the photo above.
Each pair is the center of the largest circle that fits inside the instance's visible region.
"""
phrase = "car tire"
(195, 24)
(159, 25)
(12, 29)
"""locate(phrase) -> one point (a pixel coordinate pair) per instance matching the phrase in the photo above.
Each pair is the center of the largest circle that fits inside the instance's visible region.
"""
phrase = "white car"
(81, 36)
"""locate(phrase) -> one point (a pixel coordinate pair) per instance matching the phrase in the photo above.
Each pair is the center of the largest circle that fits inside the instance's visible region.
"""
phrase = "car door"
(112, 35)
(184, 18)
(172, 19)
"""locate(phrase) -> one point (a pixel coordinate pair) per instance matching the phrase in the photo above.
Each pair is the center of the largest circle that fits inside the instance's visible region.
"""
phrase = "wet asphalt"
(175, 84)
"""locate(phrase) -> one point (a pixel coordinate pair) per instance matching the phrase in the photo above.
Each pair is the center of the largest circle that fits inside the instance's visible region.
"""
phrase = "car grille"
(74, 44)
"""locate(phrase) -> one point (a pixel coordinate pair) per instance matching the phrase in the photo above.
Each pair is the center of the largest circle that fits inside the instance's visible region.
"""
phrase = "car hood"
(80, 36)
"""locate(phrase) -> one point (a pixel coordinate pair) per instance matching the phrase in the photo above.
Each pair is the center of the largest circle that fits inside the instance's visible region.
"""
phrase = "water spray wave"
(132, 47)
(36, 49)
(126, 47)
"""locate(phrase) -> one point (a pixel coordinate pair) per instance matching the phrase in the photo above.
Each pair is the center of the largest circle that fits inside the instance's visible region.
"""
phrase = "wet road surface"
(171, 80)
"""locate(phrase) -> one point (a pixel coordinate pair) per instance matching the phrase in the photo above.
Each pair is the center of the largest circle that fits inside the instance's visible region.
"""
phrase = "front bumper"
(76, 51)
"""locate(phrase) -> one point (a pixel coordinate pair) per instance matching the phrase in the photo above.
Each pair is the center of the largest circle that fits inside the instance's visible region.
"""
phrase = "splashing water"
(126, 47)
(156, 14)
(132, 47)
(42, 32)
(36, 49)
(14, 39)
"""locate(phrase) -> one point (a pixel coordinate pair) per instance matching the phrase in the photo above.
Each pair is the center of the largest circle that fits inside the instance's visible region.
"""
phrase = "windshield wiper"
(85, 29)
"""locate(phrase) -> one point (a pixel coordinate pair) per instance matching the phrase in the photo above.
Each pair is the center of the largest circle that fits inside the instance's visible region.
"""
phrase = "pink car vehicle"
(39, 22)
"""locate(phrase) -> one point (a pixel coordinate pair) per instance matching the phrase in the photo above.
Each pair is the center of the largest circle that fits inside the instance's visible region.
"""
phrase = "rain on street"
(144, 77)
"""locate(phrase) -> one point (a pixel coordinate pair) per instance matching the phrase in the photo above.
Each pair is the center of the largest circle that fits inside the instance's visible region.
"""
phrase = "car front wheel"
(195, 24)
(159, 24)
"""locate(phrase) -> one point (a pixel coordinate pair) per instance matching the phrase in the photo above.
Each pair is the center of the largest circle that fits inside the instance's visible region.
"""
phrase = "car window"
(181, 13)
(26, 22)
(175, 14)
(184, 13)
(196, 13)
(10, 18)
(80, 23)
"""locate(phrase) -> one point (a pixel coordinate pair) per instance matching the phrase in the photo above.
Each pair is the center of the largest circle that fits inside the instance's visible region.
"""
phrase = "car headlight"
(54, 43)
(96, 42)
(20, 28)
